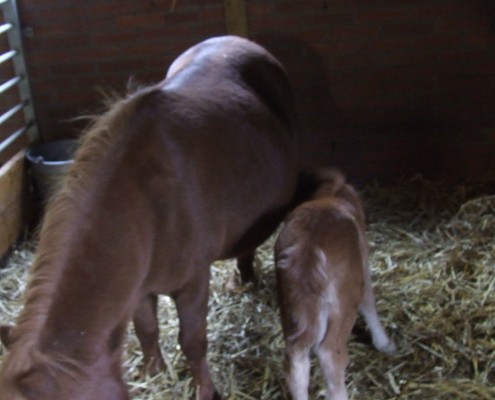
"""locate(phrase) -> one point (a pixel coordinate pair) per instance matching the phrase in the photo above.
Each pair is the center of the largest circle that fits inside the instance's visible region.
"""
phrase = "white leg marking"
(381, 341)
(298, 374)
(334, 370)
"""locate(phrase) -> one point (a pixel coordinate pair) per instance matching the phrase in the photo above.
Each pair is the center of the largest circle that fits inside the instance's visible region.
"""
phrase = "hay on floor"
(433, 261)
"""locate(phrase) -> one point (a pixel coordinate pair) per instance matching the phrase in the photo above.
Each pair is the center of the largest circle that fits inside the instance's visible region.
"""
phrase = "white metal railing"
(11, 27)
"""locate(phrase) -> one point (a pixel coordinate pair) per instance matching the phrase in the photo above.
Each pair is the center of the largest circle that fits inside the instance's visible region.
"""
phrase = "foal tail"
(330, 182)
(317, 183)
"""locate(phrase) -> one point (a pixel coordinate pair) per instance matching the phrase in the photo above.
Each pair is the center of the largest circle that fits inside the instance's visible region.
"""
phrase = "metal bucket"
(49, 163)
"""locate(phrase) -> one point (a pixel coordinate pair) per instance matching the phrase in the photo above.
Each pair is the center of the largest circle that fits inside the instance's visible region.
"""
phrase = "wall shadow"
(319, 117)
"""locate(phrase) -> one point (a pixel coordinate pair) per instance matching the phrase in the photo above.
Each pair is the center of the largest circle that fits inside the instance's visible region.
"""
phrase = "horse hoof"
(153, 367)
(217, 396)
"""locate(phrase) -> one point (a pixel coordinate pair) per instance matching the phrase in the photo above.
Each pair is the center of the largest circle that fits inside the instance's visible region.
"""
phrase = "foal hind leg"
(381, 341)
(192, 307)
(297, 370)
(333, 355)
(147, 331)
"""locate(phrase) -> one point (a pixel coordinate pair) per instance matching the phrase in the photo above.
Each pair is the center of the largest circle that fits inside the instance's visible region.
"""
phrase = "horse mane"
(59, 226)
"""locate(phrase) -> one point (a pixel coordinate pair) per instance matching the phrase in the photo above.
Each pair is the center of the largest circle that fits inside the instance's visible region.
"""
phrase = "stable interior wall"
(384, 88)
(8, 99)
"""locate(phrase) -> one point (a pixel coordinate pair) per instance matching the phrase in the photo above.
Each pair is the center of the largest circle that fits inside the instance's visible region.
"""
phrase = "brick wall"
(384, 88)
(78, 48)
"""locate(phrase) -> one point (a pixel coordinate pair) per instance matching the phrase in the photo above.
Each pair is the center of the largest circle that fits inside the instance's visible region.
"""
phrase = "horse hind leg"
(5, 338)
(245, 265)
(147, 331)
(192, 307)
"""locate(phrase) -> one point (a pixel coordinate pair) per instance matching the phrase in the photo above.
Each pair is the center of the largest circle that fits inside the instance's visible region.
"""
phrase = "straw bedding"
(433, 262)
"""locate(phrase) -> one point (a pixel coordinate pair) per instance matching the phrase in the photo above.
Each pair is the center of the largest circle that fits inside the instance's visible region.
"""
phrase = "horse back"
(245, 64)
(223, 144)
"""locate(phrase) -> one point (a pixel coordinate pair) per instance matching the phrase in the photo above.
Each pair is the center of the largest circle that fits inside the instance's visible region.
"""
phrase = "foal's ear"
(37, 383)
(5, 335)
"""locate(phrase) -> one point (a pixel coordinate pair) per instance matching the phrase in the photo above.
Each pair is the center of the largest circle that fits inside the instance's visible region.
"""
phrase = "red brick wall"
(384, 88)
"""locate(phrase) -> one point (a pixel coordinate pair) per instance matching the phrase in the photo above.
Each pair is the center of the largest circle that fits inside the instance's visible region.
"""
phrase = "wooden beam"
(13, 201)
(235, 17)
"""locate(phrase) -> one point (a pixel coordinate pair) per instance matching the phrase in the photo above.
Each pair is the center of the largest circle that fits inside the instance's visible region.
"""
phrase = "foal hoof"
(387, 348)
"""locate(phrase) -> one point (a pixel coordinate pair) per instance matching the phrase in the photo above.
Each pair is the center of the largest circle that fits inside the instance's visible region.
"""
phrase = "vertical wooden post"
(235, 17)
(14, 201)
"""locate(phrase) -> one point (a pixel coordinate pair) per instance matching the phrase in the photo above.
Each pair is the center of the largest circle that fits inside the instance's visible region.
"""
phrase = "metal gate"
(17, 104)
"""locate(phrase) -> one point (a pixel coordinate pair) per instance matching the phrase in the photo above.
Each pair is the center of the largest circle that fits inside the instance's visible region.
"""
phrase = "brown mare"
(200, 167)
(323, 278)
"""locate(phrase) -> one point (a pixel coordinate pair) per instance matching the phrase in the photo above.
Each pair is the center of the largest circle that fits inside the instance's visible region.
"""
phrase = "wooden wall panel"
(14, 201)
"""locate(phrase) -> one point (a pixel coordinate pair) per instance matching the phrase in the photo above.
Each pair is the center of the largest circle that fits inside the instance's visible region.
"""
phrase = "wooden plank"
(235, 17)
(13, 201)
